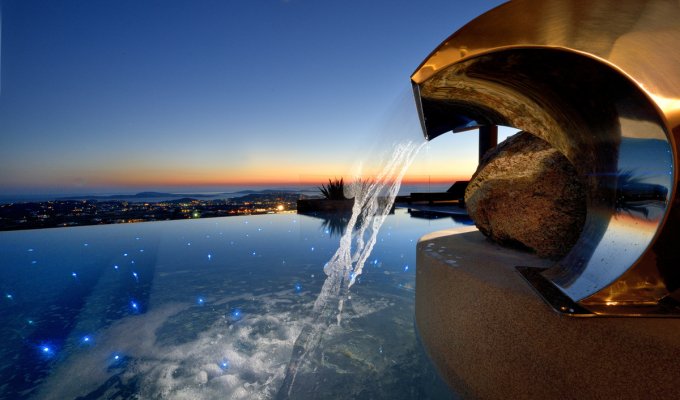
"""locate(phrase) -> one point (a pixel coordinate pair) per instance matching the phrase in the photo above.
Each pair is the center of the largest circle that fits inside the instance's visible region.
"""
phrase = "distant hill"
(178, 196)
(140, 195)
(182, 200)
(265, 191)
(287, 195)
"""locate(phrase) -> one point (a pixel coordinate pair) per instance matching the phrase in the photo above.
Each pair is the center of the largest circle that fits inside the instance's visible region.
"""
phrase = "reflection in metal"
(634, 196)
(599, 81)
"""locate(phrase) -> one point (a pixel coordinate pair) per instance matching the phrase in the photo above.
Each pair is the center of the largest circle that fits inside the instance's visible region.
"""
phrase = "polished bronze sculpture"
(599, 81)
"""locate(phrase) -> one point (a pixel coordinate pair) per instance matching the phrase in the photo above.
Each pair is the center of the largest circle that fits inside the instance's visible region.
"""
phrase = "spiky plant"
(335, 190)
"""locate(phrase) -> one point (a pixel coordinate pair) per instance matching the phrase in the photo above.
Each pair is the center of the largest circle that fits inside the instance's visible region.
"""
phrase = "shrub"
(334, 191)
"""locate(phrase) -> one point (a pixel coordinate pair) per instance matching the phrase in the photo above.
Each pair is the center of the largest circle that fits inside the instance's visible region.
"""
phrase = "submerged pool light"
(236, 314)
(47, 350)
(116, 360)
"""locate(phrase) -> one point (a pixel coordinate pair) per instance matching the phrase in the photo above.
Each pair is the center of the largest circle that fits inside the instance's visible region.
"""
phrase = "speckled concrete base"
(492, 337)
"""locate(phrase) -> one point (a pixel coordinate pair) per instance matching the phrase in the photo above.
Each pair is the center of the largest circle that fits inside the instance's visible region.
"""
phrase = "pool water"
(207, 309)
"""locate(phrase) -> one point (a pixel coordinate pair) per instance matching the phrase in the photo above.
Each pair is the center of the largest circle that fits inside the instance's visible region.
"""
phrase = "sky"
(103, 96)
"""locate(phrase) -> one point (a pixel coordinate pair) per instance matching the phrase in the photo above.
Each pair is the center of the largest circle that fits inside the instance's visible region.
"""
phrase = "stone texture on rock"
(525, 193)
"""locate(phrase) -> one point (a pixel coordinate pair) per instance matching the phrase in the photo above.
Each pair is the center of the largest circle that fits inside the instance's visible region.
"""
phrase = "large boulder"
(526, 194)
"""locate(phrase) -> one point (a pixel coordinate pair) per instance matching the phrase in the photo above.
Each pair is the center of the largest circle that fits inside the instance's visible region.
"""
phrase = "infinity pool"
(207, 309)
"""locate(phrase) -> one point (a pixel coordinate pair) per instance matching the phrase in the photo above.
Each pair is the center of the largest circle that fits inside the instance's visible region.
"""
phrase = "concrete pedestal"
(492, 337)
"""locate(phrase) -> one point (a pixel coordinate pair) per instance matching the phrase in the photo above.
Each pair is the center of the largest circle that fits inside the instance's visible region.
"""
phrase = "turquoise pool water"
(206, 309)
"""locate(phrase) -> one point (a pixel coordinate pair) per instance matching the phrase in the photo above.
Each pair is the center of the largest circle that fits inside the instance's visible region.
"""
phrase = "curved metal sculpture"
(599, 81)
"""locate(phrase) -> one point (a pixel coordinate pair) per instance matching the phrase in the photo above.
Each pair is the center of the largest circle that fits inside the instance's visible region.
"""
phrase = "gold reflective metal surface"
(637, 37)
(600, 81)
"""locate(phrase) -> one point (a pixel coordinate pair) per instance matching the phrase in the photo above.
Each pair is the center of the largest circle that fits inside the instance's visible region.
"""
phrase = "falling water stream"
(373, 201)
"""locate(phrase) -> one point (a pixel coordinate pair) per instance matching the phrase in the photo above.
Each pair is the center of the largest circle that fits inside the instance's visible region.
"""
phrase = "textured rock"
(526, 193)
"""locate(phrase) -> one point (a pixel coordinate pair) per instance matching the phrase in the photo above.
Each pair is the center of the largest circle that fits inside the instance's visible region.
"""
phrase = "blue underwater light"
(116, 360)
(236, 314)
(47, 350)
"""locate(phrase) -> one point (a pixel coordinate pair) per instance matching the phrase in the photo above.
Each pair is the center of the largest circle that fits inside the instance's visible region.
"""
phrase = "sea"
(166, 195)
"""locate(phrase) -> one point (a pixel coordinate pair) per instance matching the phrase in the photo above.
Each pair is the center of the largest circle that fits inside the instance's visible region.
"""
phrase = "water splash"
(373, 201)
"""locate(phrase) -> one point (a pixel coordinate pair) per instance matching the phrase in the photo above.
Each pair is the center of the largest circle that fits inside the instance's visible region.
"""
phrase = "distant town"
(102, 210)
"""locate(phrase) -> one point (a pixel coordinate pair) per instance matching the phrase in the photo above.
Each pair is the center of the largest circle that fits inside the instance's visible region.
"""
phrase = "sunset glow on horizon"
(449, 158)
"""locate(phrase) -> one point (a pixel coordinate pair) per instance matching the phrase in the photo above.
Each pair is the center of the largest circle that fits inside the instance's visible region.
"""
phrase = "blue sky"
(134, 94)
